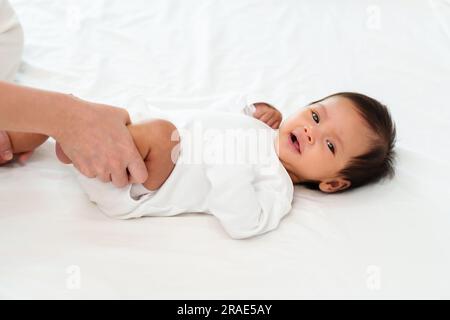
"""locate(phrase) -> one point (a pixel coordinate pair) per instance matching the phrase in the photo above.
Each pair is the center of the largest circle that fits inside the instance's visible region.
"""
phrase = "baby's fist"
(267, 114)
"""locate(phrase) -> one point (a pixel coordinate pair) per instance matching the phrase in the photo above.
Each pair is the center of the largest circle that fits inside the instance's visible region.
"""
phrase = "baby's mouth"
(295, 142)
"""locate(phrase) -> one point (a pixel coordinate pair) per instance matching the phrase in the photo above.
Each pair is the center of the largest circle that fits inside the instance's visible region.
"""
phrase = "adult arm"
(94, 137)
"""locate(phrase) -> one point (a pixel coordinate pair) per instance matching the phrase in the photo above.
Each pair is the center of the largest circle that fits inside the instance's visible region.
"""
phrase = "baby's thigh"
(158, 142)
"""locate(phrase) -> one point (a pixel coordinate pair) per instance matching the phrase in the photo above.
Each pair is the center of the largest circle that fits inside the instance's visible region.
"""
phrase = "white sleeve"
(240, 102)
(236, 103)
(245, 207)
(232, 102)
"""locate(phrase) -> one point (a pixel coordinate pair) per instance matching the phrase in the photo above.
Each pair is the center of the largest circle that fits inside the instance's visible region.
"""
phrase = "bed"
(384, 241)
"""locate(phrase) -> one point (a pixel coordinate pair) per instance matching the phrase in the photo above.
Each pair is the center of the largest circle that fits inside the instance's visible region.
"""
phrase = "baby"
(239, 167)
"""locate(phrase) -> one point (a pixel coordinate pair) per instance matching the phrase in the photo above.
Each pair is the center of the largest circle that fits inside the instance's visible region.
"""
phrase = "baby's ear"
(335, 185)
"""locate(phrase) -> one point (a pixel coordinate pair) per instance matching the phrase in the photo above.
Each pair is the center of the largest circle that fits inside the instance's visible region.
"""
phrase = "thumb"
(61, 155)
(6, 153)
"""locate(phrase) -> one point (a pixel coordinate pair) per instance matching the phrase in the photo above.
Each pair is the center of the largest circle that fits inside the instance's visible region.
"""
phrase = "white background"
(389, 240)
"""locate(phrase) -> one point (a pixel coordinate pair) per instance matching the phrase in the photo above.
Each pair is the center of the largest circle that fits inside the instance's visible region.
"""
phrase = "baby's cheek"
(315, 165)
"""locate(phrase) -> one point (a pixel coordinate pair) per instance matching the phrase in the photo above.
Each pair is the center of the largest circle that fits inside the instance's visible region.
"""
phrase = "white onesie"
(227, 167)
(11, 42)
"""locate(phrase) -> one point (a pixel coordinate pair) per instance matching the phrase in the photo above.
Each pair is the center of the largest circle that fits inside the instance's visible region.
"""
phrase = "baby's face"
(318, 141)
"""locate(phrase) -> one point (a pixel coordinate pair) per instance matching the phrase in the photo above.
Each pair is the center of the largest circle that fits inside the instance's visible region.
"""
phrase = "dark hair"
(378, 162)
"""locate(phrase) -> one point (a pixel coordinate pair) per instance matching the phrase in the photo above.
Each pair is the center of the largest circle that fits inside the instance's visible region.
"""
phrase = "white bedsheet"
(384, 241)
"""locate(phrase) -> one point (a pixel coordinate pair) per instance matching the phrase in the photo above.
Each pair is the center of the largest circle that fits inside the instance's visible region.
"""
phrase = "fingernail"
(7, 155)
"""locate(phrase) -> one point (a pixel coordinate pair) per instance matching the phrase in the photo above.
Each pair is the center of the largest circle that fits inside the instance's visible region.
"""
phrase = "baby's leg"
(24, 142)
(158, 142)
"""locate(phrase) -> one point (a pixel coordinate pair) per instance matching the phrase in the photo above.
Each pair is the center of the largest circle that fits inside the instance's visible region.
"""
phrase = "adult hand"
(94, 137)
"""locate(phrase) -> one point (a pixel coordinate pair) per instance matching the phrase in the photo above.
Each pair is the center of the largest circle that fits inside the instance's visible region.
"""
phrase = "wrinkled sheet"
(388, 240)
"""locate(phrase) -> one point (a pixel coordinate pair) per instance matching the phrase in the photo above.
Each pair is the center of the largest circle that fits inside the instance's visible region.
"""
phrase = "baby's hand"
(267, 114)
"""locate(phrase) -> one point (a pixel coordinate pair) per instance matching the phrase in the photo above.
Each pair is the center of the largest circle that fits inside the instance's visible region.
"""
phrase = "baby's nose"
(308, 135)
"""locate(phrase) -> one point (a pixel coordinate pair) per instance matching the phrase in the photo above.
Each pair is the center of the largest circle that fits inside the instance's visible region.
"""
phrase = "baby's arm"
(158, 143)
(23, 142)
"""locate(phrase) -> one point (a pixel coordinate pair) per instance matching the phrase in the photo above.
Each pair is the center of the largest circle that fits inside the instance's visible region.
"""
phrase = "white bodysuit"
(227, 167)
(11, 42)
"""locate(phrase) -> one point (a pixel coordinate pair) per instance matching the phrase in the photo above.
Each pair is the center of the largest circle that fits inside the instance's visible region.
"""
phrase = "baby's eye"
(315, 116)
(330, 146)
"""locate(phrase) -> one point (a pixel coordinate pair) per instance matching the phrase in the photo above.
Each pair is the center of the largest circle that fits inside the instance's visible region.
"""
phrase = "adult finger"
(119, 178)
(138, 171)
(85, 169)
(104, 177)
